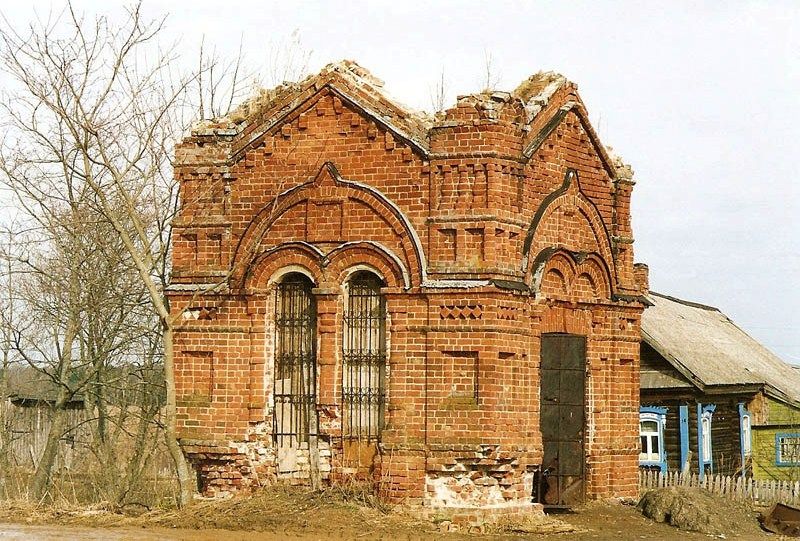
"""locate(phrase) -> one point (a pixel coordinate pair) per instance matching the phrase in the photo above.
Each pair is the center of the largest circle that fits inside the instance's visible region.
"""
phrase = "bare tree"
(490, 79)
(89, 124)
(76, 298)
(7, 314)
(120, 347)
(95, 105)
(46, 336)
(220, 83)
(287, 60)
(438, 94)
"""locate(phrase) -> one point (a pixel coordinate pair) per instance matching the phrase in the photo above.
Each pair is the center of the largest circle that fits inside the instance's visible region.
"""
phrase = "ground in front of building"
(283, 512)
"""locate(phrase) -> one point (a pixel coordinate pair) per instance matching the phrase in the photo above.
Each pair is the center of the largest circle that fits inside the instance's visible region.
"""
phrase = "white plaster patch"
(462, 491)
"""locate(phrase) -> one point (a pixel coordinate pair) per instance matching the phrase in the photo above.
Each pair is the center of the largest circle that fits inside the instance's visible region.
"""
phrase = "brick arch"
(270, 264)
(569, 200)
(561, 274)
(558, 276)
(585, 286)
(554, 283)
(329, 186)
(377, 257)
(594, 270)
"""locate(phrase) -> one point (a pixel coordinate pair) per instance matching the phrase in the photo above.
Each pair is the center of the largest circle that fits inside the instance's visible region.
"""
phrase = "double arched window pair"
(363, 394)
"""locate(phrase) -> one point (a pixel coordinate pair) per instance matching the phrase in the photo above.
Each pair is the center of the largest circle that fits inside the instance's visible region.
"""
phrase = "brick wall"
(502, 219)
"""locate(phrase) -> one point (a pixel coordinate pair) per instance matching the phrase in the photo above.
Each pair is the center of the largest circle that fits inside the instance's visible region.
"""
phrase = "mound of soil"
(697, 510)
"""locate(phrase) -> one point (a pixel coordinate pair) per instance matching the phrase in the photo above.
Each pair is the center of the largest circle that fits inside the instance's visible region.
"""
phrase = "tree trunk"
(139, 456)
(143, 261)
(5, 426)
(185, 478)
(43, 477)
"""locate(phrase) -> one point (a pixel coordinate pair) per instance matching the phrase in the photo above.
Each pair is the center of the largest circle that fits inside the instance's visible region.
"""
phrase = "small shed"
(29, 407)
(713, 399)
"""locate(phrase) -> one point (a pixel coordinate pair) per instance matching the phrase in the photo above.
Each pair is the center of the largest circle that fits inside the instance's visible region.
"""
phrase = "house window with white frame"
(746, 435)
(651, 442)
(706, 434)
(787, 449)
(651, 435)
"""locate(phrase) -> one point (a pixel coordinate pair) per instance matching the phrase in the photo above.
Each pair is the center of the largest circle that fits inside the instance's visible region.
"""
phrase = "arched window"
(364, 356)
(295, 361)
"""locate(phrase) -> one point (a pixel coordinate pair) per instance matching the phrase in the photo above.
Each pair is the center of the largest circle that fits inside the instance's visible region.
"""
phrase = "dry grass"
(281, 512)
(348, 511)
(289, 511)
(83, 490)
(533, 524)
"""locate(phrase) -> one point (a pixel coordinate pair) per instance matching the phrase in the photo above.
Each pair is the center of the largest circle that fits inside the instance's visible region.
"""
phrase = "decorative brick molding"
(466, 311)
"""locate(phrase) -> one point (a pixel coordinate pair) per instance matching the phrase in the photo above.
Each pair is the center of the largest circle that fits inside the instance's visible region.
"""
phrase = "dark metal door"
(563, 398)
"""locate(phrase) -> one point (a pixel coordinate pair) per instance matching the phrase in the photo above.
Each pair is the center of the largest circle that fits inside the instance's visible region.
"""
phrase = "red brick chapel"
(445, 306)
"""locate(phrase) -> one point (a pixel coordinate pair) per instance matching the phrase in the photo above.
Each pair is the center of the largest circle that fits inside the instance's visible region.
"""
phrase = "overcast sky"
(702, 99)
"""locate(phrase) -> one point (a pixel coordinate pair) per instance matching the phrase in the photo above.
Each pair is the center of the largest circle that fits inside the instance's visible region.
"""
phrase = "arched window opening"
(364, 356)
(295, 361)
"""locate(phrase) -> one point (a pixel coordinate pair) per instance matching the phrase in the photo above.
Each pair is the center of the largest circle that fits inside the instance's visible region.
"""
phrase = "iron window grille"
(364, 359)
(295, 373)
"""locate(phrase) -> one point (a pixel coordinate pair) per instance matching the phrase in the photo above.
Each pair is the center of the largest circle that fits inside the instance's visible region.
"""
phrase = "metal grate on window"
(364, 370)
(295, 361)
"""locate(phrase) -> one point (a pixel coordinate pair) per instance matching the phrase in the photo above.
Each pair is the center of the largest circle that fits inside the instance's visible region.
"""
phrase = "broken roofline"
(348, 81)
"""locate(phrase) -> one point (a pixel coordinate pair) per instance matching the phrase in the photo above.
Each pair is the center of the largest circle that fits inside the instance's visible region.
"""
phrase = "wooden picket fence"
(762, 492)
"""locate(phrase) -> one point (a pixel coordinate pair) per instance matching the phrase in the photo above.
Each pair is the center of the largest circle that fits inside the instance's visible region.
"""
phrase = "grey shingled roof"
(709, 349)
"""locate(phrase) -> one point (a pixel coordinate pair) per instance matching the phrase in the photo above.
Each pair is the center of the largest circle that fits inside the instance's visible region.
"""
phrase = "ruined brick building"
(445, 305)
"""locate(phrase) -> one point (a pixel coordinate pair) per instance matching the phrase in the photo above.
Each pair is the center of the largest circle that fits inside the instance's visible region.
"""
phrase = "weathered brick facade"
(494, 223)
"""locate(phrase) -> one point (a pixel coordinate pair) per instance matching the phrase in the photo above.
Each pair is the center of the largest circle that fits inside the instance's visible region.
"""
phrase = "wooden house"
(713, 399)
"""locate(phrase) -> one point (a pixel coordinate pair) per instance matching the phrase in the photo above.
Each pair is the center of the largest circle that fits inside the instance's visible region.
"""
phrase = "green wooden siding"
(782, 419)
(764, 466)
(781, 414)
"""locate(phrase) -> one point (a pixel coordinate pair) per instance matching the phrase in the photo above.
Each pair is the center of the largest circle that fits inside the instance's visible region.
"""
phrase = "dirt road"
(24, 532)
